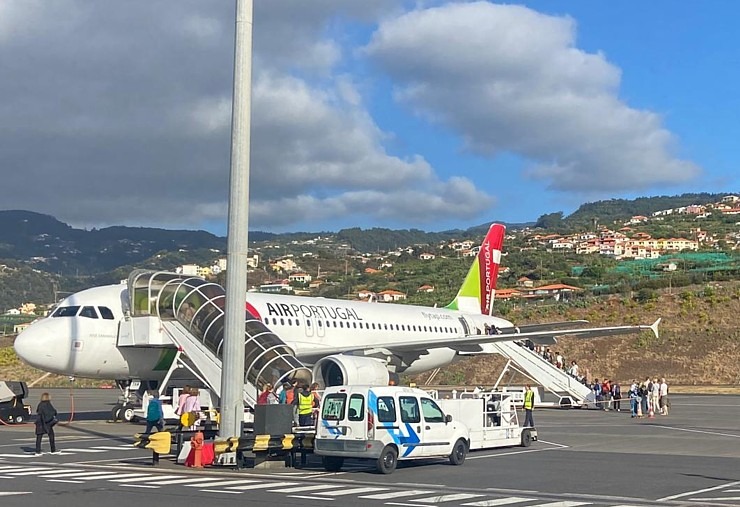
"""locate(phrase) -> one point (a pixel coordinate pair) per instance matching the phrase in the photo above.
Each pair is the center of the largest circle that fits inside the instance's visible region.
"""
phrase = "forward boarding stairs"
(568, 390)
(184, 318)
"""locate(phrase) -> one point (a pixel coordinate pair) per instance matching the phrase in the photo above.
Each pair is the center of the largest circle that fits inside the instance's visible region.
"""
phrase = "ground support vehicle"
(12, 409)
(391, 423)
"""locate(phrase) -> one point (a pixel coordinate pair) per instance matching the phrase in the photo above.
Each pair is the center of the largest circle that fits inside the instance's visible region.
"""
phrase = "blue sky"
(429, 114)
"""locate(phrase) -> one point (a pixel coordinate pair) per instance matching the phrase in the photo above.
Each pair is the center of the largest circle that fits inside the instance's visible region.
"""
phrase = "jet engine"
(338, 370)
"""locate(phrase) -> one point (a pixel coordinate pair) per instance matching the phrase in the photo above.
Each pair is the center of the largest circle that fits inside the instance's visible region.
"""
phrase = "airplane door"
(466, 327)
(436, 431)
(309, 325)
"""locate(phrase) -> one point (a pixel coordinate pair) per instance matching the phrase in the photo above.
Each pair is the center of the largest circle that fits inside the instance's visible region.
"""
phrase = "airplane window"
(354, 325)
(319, 322)
(335, 323)
(106, 313)
(385, 326)
(341, 324)
(308, 323)
(414, 328)
(328, 324)
(373, 325)
(282, 322)
(66, 311)
(89, 312)
(290, 322)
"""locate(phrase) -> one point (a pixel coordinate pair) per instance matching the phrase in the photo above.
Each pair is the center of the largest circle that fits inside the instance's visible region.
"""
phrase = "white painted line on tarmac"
(263, 485)
(447, 498)
(352, 491)
(11, 493)
(139, 479)
(303, 489)
(499, 501)
(140, 486)
(397, 494)
(560, 504)
(212, 483)
(64, 480)
(307, 497)
(697, 431)
(221, 491)
(72, 450)
(504, 454)
(553, 443)
(719, 498)
(698, 491)
(116, 475)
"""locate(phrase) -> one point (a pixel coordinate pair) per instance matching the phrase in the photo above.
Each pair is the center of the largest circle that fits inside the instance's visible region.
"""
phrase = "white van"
(386, 424)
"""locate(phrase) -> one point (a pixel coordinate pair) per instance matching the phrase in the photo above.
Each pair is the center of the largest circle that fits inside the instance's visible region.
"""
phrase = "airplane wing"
(534, 332)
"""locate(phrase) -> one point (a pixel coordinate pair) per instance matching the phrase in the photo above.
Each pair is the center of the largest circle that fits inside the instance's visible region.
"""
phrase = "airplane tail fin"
(478, 289)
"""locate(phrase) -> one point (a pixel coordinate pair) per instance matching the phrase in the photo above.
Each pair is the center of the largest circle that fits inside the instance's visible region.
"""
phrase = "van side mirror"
(448, 418)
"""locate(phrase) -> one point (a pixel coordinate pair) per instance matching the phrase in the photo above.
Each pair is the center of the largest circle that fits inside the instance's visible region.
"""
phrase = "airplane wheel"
(387, 460)
(526, 438)
(333, 463)
(116, 412)
(459, 451)
(127, 413)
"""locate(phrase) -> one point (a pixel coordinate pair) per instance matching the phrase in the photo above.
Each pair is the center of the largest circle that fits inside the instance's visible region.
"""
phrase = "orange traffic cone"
(197, 445)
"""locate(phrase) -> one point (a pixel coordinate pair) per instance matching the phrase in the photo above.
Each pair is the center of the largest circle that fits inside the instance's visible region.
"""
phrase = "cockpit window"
(66, 311)
(106, 313)
(89, 312)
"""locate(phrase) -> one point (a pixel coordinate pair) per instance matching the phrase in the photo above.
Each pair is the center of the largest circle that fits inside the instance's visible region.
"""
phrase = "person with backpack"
(154, 413)
(596, 388)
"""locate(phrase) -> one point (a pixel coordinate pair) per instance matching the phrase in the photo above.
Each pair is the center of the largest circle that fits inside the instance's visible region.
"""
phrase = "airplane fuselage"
(83, 340)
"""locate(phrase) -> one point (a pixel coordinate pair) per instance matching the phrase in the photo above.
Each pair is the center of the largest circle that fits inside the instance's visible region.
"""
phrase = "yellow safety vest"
(305, 404)
(529, 399)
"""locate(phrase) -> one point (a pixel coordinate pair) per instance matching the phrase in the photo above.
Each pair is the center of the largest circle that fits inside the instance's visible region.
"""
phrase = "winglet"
(654, 328)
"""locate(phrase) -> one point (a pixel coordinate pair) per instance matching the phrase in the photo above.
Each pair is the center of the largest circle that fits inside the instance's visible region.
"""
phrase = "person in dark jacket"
(46, 418)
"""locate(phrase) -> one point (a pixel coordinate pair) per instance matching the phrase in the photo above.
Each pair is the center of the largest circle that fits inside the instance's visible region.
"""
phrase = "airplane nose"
(38, 346)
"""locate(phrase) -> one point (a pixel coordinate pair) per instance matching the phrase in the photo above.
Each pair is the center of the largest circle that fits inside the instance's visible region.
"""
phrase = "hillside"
(699, 340)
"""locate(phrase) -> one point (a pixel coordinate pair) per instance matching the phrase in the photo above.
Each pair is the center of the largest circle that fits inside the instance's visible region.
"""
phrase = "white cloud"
(122, 110)
(509, 79)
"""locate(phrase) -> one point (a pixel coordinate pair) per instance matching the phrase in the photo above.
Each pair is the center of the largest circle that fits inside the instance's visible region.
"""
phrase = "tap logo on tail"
(477, 291)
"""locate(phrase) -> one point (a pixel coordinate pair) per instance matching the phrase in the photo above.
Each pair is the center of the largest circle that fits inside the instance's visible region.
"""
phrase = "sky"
(391, 113)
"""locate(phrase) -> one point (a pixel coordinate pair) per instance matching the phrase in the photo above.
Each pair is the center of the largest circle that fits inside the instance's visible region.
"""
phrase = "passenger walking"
(267, 397)
(617, 396)
(663, 400)
(528, 407)
(154, 413)
(191, 409)
(634, 399)
(655, 396)
(46, 419)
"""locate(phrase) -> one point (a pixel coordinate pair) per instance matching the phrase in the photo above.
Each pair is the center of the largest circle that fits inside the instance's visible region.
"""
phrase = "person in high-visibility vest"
(305, 406)
(528, 407)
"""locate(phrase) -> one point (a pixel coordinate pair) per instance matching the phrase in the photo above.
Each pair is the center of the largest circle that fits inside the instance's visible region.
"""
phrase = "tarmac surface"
(584, 458)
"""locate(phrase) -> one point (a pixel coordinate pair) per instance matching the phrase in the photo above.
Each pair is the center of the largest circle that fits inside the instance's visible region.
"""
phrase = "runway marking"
(446, 498)
(260, 485)
(306, 497)
(504, 454)
(140, 486)
(138, 479)
(64, 480)
(124, 447)
(352, 491)
(397, 494)
(499, 501)
(709, 498)
(78, 474)
(560, 504)
(209, 483)
(221, 491)
(697, 431)
(698, 491)
(11, 493)
(552, 443)
(92, 450)
(301, 489)
(113, 476)
(181, 480)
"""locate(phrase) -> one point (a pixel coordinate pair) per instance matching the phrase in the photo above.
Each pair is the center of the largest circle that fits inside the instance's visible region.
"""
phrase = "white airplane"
(82, 336)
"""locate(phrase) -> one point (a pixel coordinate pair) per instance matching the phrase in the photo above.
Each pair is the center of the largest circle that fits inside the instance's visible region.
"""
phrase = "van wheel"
(19, 419)
(459, 451)
(387, 460)
(333, 463)
(526, 438)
